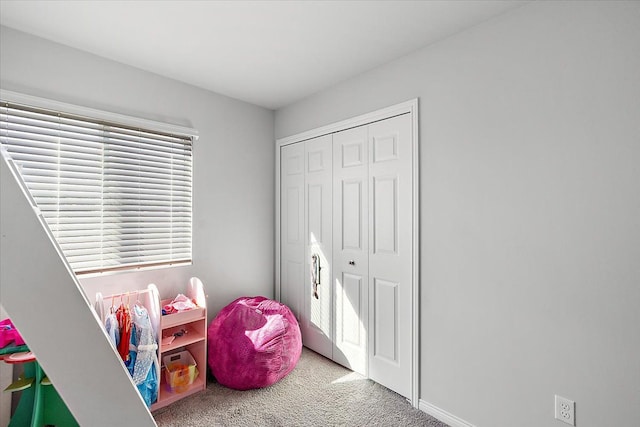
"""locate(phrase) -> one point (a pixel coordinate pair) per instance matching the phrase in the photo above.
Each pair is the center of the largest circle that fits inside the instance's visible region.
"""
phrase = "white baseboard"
(443, 415)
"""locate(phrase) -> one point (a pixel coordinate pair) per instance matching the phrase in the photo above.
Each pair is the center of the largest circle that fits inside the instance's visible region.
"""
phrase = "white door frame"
(410, 107)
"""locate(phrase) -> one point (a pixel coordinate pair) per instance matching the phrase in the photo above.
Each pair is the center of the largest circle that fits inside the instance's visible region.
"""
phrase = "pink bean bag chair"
(253, 343)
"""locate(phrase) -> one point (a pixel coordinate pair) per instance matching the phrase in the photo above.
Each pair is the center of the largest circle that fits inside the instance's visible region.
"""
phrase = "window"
(114, 196)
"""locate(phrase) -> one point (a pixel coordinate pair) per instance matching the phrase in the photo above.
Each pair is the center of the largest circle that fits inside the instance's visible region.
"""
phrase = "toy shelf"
(186, 330)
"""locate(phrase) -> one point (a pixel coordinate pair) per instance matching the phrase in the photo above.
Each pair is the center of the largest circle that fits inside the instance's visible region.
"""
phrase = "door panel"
(314, 214)
(350, 248)
(352, 153)
(316, 324)
(385, 218)
(294, 199)
(351, 218)
(292, 223)
(292, 297)
(391, 256)
(385, 318)
(349, 305)
(385, 147)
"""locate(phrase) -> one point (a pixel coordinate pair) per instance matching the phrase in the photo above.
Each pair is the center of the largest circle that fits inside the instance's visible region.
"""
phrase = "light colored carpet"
(317, 393)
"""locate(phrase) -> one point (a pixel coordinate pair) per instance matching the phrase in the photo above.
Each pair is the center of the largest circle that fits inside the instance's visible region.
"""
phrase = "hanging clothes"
(131, 333)
(124, 323)
(112, 328)
(145, 359)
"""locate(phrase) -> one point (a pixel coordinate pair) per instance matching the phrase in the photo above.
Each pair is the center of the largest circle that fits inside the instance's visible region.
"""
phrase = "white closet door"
(292, 270)
(316, 322)
(390, 253)
(350, 248)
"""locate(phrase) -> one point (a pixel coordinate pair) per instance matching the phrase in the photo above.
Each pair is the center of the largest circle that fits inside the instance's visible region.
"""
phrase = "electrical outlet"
(565, 410)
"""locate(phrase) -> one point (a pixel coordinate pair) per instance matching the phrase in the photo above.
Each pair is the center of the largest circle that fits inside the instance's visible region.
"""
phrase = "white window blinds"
(114, 197)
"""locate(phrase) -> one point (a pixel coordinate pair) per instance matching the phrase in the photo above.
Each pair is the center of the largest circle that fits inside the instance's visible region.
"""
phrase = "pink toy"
(253, 343)
(9, 333)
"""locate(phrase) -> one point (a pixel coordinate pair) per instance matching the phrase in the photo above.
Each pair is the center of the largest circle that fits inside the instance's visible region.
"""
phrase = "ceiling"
(269, 53)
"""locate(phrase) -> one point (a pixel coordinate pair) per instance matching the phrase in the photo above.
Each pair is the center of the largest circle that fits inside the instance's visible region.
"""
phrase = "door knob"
(352, 262)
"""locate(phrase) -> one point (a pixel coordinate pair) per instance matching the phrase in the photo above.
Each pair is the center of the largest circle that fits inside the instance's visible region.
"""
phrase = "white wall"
(530, 210)
(233, 188)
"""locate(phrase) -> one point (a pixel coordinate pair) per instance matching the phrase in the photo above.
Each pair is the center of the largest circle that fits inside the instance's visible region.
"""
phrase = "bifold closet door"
(346, 262)
(292, 270)
(306, 239)
(350, 247)
(390, 253)
(316, 319)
